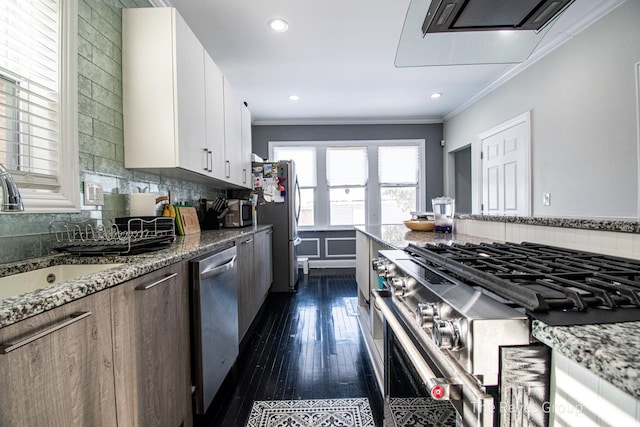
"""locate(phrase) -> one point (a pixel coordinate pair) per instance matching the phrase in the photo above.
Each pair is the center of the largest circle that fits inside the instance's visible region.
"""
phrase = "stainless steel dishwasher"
(214, 305)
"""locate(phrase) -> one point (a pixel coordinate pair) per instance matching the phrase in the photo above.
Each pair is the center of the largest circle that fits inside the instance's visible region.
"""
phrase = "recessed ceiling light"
(436, 95)
(278, 24)
(293, 97)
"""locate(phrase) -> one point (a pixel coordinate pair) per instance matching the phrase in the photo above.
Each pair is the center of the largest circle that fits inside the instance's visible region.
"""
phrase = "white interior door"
(506, 180)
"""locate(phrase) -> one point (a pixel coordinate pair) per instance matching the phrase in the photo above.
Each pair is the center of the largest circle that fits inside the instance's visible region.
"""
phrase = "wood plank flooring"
(304, 345)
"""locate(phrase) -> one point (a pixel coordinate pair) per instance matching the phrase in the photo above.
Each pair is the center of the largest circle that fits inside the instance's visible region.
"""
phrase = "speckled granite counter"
(610, 351)
(23, 306)
(399, 236)
(578, 223)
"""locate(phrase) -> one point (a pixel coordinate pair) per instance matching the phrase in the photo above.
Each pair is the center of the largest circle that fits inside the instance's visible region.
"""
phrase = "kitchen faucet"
(11, 198)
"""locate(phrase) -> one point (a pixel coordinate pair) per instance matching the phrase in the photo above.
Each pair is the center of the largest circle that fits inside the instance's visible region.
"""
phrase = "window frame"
(65, 197)
(372, 198)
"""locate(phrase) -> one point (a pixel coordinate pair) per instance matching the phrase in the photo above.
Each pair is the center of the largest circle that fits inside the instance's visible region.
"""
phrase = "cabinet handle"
(244, 175)
(210, 158)
(246, 242)
(206, 160)
(156, 283)
(227, 167)
(75, 317)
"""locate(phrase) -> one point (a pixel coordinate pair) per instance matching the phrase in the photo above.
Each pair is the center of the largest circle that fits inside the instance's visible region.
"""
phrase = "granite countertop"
(611, 351)
(624, 226)
(23, 306)
(398, 236)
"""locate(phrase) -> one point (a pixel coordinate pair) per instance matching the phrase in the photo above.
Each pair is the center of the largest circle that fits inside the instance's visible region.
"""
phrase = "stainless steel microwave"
(240, 213)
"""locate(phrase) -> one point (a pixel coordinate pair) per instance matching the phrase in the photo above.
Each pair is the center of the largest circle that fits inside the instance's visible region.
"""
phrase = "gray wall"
(431, 133)
(328, 248)
(584, 140)
(463, 180)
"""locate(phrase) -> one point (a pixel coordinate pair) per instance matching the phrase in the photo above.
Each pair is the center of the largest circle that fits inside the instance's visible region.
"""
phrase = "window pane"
(347, 166)
(305, 159)
(307, 206)
(346, 206)
(397, 204)
(398, 164)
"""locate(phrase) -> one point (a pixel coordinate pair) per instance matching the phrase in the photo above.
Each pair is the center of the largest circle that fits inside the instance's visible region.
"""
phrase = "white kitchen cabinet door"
(506, 182)
(246, 146)
(214, 98)
(163, 91)
(232, 135)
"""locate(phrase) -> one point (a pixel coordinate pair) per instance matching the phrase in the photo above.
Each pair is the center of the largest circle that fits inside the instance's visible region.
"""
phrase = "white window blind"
(29, 90)
(347, 166)
(399, 164)
(305, 159)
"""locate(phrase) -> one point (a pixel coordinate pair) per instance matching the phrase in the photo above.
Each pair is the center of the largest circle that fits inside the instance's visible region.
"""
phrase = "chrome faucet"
(11, 198)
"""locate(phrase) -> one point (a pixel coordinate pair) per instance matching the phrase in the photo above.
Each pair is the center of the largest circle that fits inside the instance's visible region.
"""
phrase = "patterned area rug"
(422, 412)
(311, 413)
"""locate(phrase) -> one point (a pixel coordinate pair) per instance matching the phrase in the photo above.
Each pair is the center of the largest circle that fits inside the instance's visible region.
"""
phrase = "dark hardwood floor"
(304, 345)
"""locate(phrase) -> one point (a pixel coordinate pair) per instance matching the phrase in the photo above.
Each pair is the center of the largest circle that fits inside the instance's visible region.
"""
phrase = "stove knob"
(383, 267)
(427, 313)
(446, 334)
(399, 285)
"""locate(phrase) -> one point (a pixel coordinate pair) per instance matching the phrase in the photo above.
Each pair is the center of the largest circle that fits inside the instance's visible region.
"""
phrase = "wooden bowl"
(420, 225)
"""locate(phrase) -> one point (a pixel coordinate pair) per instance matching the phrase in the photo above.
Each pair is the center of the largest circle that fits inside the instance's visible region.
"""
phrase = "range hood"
(490, 15)
(470, 32)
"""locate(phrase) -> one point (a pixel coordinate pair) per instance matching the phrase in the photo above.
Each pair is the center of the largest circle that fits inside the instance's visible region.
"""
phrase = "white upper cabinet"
(214, 95)
(163, 90)
(181, 116)
(246, 146)
(232, 134)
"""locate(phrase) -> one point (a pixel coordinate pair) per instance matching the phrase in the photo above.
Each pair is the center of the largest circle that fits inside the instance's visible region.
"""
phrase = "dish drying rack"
(127, 236)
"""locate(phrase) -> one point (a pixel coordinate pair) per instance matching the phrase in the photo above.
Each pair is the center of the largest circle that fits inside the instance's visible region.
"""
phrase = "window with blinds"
(34, 48)
(357, 182)
(347, 176)
(398, 176)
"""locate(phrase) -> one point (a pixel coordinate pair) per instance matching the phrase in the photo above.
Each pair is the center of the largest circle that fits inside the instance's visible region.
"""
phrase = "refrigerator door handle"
(298, 201)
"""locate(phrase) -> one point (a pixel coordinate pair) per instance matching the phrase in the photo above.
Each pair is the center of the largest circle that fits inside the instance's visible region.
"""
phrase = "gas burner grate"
(541, 278)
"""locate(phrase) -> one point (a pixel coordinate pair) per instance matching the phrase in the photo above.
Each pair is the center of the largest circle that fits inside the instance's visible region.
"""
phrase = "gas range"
(461, 314)
(556, 285)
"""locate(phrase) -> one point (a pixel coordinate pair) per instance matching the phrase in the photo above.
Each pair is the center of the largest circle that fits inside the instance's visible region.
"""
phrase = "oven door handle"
(439, 388)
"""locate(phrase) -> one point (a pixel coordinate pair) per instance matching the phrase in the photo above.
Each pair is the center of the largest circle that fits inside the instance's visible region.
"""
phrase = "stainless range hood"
(490, 15)
(472, 32)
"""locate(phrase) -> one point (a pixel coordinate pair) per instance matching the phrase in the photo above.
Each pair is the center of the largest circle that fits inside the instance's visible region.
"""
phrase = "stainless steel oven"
(454, 355)
(421, 387)
(457, 325)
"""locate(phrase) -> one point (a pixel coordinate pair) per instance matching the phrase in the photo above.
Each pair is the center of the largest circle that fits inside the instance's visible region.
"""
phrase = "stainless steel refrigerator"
(279, 204)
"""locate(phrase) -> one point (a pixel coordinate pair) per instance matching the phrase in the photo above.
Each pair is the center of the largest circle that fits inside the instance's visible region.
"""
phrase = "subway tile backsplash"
(101, 146)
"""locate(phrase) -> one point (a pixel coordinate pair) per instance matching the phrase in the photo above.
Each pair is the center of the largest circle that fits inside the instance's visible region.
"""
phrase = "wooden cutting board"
(189, 220)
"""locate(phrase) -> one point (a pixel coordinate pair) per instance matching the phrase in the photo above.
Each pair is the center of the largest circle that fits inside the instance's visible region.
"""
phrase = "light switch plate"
(546, 199)
(93, 194)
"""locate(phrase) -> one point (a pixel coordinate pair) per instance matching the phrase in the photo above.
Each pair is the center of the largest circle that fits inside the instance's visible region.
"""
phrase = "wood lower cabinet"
(263, 260)
(65, 377)
(254, 277)
(246, 284)
(151, 349)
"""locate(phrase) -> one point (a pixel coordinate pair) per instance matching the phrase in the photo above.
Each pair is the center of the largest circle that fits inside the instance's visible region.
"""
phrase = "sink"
(29, 281)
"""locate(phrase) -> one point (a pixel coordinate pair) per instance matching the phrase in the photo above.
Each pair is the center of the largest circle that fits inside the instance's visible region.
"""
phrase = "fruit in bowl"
(419, 225)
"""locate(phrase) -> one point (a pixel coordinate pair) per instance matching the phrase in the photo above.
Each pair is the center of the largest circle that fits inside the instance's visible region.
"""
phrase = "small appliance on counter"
(240, 213)
(443, 210)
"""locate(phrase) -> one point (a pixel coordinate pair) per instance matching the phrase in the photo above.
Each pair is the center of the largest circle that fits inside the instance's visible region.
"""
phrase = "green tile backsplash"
(25, 235)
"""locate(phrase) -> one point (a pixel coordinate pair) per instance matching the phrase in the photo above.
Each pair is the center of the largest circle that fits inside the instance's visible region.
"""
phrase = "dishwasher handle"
(216, 271)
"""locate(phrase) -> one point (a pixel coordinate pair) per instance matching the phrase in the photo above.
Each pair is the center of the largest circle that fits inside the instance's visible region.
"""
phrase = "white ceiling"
(338, 56)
